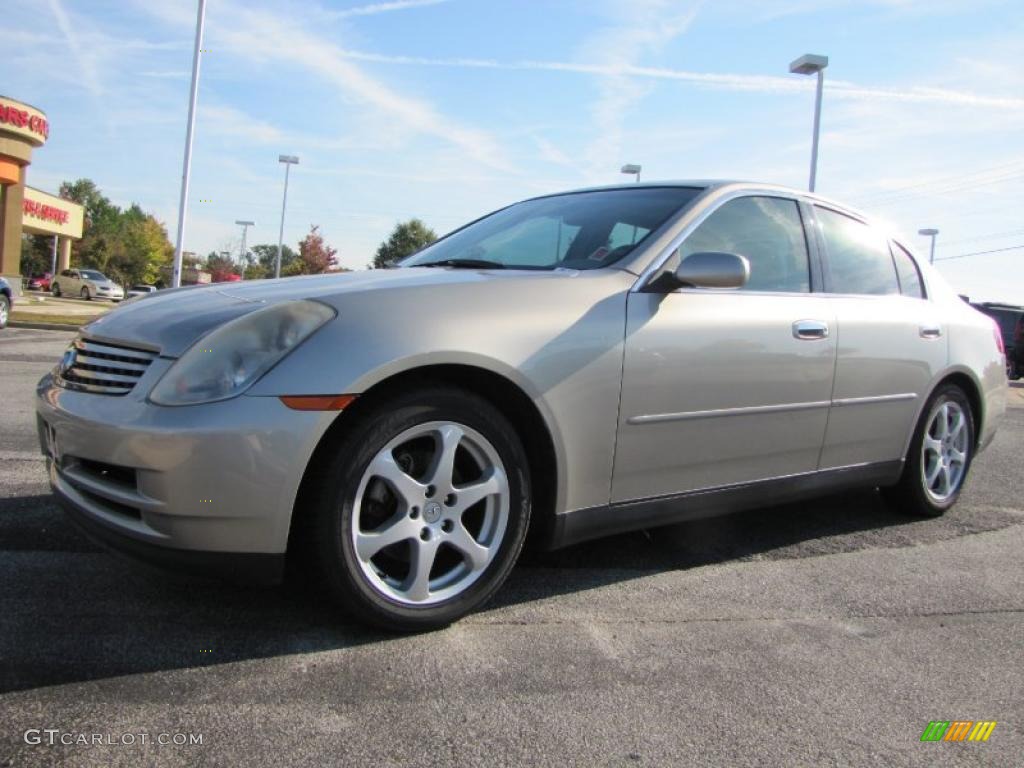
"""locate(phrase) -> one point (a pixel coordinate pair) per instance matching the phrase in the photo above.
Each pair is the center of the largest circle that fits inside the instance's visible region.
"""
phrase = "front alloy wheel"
(419, 508)
(430, 513)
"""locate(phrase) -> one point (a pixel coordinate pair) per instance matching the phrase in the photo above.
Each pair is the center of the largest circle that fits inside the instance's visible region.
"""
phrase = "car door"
(892, 341)
(722, 387)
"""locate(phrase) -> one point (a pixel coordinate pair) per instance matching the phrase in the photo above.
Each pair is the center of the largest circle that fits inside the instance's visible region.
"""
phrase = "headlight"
(228, 360)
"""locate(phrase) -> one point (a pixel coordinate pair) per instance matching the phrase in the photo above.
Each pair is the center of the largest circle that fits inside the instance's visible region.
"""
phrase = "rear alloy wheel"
(423, 510)
(85, 293)
(940, 456)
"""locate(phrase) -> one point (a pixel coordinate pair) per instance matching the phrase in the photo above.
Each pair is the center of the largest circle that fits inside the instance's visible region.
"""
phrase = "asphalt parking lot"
(828, 633)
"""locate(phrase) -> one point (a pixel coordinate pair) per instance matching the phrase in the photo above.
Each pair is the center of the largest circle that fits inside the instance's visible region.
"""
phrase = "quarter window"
(906, 269)
(768, 231)
(858, 257)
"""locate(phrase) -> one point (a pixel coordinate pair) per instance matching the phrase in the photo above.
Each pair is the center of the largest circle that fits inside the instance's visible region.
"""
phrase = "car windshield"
(92, 274)
(580, 230)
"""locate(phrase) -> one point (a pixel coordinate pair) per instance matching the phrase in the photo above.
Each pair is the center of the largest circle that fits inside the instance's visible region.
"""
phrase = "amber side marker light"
(317, 402)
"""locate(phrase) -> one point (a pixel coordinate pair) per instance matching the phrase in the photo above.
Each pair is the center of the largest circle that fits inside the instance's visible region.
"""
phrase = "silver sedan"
(577, 364)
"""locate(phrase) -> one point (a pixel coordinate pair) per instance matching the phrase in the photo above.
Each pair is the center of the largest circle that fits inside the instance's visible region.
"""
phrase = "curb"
(42, 326)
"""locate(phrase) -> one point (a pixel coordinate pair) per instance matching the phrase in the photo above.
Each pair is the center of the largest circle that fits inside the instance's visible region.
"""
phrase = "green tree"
(130, 246)
(315, 256)
(406, 238)
(266, 256)
(36, 254)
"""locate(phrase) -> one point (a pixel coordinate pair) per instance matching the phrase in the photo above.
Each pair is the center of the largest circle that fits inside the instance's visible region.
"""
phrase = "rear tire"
(85, 293)
(55, 290)
(939, 458)
(1013, 372)
(456, 525)
(5, 310)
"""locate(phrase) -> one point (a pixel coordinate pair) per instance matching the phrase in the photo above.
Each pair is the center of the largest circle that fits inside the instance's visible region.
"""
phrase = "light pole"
(632, 169)
(186, 172)
(810, 64)
(289, 161)
(245, 228)
(930, 233)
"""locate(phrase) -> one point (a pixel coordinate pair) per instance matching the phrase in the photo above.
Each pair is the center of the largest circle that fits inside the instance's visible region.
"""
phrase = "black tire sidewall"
(339, 565)
(6, 315)
(912, 491)
(55, 289)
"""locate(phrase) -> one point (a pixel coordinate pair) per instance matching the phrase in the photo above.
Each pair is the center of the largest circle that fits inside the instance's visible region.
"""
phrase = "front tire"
(940, 456)
(421, 509)
(55, 290)
(5, 310)
(85, 293)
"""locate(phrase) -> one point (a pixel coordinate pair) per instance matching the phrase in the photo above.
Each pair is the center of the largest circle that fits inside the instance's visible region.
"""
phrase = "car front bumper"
(208, 487)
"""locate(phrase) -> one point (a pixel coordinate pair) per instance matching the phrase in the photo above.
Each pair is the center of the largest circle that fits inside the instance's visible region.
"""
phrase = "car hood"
(172, 320)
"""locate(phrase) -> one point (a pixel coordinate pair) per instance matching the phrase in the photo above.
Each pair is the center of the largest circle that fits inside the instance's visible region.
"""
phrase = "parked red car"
(39, 282)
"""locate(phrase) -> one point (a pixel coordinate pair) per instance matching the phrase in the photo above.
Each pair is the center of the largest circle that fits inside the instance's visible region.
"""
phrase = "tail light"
(999, 336)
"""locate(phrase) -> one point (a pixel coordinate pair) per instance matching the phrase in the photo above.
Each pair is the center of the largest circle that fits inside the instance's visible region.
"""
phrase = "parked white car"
(86, 283)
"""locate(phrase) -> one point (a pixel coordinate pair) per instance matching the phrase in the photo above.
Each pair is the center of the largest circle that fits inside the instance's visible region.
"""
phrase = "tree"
(266, 257)
(36, 254)
(315, 256)
(220, 267)
(129, 245)
(406, 238)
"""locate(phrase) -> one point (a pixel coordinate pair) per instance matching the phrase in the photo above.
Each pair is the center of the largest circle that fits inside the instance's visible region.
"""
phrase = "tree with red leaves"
(315, 256)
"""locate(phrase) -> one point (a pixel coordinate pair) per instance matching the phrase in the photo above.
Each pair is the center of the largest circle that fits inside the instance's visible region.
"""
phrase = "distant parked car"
(1010, 319)
(88, 284)
(39, 282)
(141, 290)
(6, 300)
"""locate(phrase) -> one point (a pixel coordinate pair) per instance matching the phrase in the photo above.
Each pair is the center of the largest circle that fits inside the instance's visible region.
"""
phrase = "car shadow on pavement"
(73, 613)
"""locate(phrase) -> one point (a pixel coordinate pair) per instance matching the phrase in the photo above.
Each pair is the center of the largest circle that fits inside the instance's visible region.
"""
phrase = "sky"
(447, 109)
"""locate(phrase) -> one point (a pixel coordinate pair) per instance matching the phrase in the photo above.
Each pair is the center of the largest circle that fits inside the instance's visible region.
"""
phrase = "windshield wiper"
(468, 263)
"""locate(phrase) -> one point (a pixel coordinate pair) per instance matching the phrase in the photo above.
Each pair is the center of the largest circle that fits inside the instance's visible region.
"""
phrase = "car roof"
(709, 185)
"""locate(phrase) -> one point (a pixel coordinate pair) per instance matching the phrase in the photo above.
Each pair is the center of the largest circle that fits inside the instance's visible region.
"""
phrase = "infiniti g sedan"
(575, 365)
(87, 284)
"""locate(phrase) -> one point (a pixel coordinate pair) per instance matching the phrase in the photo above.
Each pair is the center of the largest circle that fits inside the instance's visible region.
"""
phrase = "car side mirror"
(713, 269)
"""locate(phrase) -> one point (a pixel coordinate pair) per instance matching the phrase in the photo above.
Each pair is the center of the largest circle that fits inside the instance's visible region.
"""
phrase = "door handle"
(809, 330)
(930, 331)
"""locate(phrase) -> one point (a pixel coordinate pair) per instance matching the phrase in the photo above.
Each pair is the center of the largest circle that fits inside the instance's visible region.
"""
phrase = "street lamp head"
(246, 223)
(291, 159)
(928, 232)
(808, 64)
(632, 168)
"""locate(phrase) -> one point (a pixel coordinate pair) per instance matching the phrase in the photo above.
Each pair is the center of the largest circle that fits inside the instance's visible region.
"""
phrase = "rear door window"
(859, 261)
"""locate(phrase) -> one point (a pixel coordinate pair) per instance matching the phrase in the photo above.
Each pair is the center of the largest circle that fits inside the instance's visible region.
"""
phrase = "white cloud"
(375, 8)
(84, 57)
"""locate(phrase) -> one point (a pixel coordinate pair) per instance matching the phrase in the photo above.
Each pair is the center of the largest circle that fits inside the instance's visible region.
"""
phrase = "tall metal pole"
(817, 128)
(243, 251)
(187, 169)
(53, 267)
(280, 234)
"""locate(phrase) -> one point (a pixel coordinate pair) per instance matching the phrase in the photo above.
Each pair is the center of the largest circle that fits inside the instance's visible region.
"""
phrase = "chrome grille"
(108, 369)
